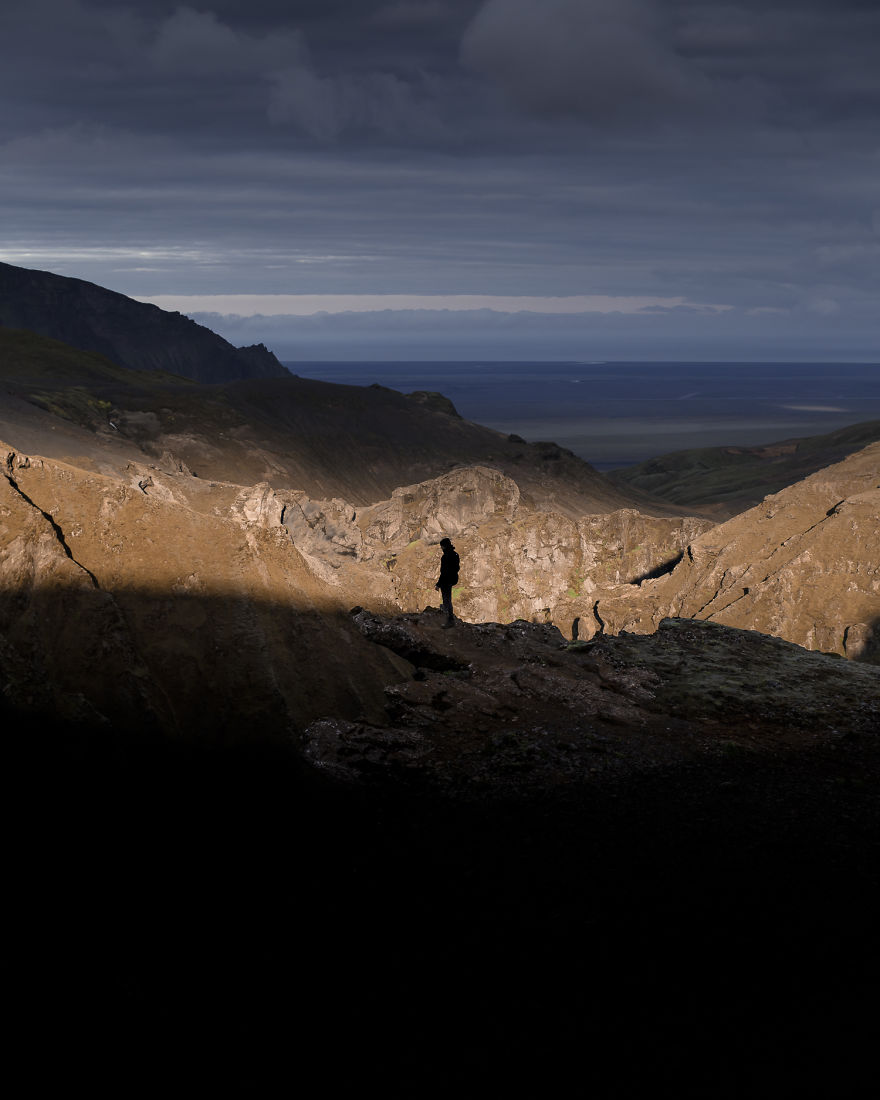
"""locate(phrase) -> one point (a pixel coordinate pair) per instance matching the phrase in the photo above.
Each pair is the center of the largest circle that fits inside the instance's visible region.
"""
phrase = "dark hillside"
(28, 360)
(133, 334)
(355, 442)
(727, 480)
(368, 440)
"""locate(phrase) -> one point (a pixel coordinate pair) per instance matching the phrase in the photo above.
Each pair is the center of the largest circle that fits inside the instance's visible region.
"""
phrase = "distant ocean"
(617, 414)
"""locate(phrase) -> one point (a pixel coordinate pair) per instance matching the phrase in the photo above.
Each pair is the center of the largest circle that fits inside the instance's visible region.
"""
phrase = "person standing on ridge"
(448, 579)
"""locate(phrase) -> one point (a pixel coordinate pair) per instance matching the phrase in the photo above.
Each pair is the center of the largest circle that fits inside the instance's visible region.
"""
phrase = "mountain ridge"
(132, 334)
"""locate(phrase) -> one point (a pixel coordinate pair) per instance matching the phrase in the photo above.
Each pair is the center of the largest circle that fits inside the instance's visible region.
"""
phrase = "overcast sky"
(680, 178)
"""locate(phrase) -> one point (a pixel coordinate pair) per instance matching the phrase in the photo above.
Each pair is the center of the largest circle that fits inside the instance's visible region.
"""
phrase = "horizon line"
(305, 305)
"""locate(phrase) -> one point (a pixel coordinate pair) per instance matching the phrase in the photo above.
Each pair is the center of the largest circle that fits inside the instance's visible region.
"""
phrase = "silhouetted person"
(448, 578)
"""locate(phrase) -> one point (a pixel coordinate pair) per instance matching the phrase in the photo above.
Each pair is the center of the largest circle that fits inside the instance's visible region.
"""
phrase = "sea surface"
(617, 414)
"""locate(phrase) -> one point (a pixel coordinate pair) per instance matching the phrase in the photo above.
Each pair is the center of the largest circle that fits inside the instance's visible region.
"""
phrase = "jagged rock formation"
(516, 562)
(803, 565)
(447, 505)
(132, 334)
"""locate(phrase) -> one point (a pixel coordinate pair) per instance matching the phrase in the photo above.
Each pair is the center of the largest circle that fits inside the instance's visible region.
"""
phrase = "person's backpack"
(454, 564)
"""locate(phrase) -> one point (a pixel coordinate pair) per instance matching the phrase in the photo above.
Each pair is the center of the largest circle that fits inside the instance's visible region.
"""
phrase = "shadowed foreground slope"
(219, 918)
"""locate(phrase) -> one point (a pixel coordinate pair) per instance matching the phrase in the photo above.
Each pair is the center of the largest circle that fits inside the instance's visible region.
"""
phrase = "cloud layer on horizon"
(678, 333)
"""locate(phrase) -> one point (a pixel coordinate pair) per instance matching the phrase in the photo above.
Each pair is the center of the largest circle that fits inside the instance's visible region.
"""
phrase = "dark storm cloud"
(231, 72)
(327, 70)
(607, 60)
(601, 59)
(717, 152)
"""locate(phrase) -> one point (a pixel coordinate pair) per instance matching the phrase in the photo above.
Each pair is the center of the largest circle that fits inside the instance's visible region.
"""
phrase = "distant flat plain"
(617, 414)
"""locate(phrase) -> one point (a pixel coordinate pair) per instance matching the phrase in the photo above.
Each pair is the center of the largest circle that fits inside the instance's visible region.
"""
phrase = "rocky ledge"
(508, 710)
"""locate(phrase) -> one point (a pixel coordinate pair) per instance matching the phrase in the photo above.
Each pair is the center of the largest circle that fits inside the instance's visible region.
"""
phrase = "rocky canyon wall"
(194, 604)
(804, 565)
(517, 563)
(162, 602)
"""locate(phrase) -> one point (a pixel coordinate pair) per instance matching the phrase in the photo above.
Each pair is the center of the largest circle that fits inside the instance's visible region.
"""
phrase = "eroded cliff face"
(166, 603)
(516, 562)
(803, 565)
(191, 604)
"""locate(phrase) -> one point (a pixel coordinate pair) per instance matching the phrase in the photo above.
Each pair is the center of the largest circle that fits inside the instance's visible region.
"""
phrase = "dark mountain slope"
(728, 480)
(355, 442)
(368, 440)
(133, 334)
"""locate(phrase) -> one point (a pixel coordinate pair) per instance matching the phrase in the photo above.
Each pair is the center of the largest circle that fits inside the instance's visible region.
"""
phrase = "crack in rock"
(598, 618)
(720, 611)
(59, 534)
